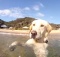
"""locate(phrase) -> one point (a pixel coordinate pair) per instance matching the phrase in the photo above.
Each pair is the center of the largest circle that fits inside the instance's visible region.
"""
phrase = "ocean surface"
(7, 38)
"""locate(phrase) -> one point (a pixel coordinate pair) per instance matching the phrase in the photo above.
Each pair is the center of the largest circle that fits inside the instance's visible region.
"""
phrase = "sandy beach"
(15, 31)
(55, 31)
(23, 31)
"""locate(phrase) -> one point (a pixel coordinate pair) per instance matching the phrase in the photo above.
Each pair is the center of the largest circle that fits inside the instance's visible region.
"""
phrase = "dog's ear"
(30, 28)
(49, 28)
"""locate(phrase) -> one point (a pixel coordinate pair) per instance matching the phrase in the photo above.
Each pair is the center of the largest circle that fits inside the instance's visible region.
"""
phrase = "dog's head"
(39, 29)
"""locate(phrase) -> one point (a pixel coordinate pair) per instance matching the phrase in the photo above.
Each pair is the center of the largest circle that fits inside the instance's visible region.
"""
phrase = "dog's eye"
(33, 24)
(42, 25)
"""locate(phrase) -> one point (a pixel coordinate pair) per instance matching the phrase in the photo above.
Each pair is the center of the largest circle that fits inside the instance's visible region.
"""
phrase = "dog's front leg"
(14, 45)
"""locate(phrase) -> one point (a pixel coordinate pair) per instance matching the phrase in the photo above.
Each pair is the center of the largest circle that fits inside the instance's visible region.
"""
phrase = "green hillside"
(19, 23)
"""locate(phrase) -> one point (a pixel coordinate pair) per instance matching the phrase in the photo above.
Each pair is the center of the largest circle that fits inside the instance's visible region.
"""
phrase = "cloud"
(40, 14)
(5, 12)
(21, 12)
(14, 12)
(36, 7)
(27, 8)
(38, 18)
(41, 5)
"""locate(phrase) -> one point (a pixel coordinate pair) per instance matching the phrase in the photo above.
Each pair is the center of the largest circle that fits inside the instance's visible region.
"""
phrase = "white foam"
(12, 33)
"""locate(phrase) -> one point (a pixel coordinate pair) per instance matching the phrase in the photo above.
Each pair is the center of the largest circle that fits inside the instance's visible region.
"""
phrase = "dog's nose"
(33, 32)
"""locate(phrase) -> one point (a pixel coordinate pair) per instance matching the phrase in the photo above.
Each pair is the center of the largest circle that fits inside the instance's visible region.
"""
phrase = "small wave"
(13, 33)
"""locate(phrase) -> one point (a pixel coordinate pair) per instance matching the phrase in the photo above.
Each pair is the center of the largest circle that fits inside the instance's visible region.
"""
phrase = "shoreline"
(15, 31)
(23, 31)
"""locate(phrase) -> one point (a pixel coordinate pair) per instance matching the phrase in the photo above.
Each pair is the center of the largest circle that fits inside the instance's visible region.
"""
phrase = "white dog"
(39, 31)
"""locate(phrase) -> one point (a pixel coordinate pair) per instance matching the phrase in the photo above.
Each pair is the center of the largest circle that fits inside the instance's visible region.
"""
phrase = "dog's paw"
(46, 41)
(11, 48)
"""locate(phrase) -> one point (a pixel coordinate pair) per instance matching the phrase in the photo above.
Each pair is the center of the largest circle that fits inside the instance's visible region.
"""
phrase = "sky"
(48, 10)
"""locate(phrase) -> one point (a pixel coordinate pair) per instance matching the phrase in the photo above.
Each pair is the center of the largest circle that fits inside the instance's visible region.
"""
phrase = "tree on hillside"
(1, 22)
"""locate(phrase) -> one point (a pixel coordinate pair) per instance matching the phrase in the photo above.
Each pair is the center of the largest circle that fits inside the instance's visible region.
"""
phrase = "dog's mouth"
(38, 38)
(33, 36)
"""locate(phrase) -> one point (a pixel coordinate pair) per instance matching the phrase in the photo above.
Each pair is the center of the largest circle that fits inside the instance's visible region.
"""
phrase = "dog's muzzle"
(33, 34)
